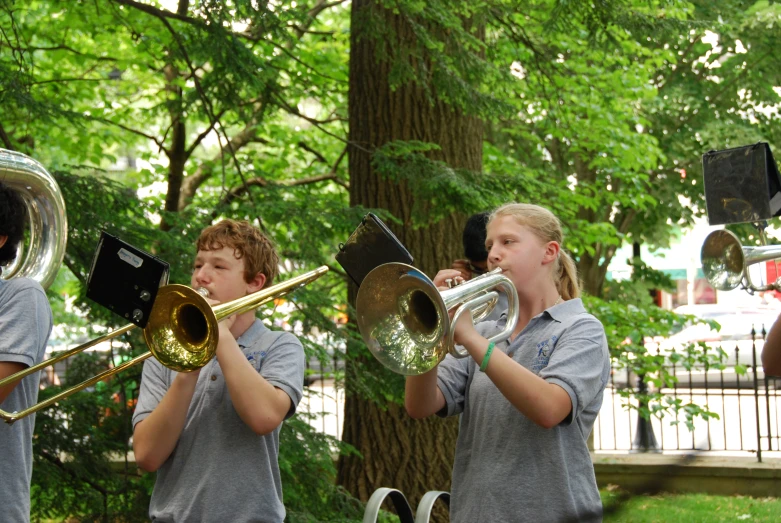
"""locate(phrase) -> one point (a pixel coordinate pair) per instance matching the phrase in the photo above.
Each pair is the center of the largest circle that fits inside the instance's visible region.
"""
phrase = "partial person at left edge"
(25, 326)
(771, 351)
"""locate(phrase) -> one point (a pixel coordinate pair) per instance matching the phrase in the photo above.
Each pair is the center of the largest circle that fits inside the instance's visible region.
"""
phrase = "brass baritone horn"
(182, 334)
(725, 261)
(48, 221)
(404, 319)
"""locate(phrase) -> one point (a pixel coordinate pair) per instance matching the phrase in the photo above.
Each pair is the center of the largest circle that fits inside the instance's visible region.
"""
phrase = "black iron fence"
(743, 405)
(742, 408)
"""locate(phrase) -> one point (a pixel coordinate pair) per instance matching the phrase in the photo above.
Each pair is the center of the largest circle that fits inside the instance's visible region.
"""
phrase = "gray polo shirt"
(220, 469)
(25, 325)
(507, 468)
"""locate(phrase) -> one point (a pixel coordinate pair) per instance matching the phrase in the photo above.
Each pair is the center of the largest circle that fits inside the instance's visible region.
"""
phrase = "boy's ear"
(3, 239)
(256, 283)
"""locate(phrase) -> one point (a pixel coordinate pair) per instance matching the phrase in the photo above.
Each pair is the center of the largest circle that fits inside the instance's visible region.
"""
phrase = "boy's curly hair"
(249, 244)
(13, 218)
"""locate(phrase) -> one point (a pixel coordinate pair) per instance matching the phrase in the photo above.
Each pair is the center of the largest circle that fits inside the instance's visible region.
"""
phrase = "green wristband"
(487, 357)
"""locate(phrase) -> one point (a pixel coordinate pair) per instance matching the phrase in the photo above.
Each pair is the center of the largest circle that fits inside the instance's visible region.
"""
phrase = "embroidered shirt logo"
(256, 358)
(544, 349)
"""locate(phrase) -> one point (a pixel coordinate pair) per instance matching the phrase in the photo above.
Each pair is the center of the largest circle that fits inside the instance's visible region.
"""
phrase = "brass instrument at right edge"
(725, 261)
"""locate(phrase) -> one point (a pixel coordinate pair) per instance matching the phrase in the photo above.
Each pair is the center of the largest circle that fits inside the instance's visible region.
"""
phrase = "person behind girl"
(527, 404)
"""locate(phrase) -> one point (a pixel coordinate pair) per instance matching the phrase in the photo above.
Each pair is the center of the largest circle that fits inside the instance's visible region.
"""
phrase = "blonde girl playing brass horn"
(527, 404)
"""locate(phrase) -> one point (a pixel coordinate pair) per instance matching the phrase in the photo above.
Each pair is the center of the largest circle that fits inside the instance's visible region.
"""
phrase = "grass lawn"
(687, 508)
(621, 507)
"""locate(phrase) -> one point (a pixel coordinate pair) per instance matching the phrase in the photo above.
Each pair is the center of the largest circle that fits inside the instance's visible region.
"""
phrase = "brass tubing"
(256, 299)
(10, 417)
(220, 311)
(64, 355)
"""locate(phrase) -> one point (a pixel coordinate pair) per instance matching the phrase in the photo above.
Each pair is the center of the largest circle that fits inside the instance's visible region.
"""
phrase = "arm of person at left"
(546, 404)
(8, 368)
(21, 335)
(259, 404)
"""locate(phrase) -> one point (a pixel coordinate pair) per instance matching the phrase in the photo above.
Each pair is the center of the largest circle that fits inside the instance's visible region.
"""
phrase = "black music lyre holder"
(125, 279)
(741, 184)
(370, 245)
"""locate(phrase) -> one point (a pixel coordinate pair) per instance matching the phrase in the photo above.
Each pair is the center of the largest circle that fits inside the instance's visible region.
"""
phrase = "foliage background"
(158, 118)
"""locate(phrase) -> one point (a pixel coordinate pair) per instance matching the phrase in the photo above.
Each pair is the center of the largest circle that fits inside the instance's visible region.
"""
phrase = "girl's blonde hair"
(547, 228)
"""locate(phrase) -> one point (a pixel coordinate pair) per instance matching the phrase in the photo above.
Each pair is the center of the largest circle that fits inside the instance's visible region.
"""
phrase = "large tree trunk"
(413, 456)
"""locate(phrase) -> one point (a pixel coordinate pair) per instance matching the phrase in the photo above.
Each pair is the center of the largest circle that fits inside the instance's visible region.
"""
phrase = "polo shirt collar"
(558, 312)
(251, 334)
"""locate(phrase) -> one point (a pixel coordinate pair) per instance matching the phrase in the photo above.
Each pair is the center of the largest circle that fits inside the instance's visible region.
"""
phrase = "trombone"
(181, 333)
(725, 261)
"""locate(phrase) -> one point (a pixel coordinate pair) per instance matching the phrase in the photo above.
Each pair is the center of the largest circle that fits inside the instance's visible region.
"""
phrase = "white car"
(736, 324)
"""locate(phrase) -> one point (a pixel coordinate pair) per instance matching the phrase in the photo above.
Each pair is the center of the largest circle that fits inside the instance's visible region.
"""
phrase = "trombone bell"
(182, 330)
(400, 317)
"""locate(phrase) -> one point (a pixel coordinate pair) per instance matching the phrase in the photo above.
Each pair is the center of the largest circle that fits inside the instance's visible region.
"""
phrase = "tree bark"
(177, 156)
(412, 456)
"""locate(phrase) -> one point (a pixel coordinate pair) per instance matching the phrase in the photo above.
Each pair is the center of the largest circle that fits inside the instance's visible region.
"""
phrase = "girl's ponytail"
(568, 284)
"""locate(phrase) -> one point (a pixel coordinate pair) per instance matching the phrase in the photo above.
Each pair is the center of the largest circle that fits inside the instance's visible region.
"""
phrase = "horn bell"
(402, 319)
(182, 331)
(723, 260)
(48, 223)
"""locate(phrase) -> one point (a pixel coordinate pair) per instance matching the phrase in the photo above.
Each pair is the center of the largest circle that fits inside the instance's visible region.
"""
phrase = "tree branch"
(338, 161)
(310, 180)
(63, 80)
(262, 182)
(161, 13)
(63, 47)
(320, 158)
(321, 6)
(133, 131)
(59, 464)
(204, 171)
(297, 59)
(302, 31)
(203, 135)
(165, 14)
(164, 19)
(317, 123)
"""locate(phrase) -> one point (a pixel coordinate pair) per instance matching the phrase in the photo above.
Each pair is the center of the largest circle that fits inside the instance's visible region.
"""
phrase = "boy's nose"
(201, 275)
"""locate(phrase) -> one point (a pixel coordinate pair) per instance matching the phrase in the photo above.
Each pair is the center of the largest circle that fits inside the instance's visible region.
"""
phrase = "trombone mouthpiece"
(203, 291)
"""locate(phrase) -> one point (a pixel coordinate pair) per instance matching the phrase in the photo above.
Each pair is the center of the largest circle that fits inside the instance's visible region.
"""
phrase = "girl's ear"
(551, 252)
